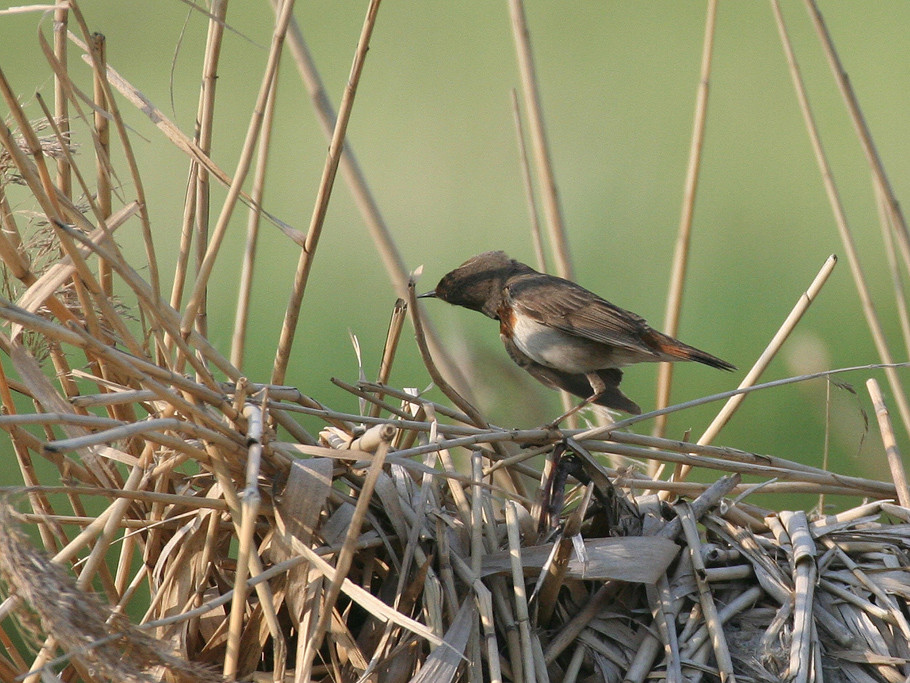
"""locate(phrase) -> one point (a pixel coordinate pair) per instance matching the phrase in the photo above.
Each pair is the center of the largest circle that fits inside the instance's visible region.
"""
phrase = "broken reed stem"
(323, 194)
(733, 403)
(546, 178)
(840, 218)
(396, 323)
(102, 156)
(446, 388)
(114, 111)
(681, 254)
(706, 598)
(521, 603)
(250, 507)
(61, 109)
(895, 462)
(796, 314)
(803, 552)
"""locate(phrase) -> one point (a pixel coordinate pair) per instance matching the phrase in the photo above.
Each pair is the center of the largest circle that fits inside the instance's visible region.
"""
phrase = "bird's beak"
(427, 295)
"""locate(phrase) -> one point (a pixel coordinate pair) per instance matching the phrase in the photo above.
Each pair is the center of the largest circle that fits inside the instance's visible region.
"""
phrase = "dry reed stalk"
(61, 110)
(197, 203)
(324, 192)
(102, 132)
(884, 189)
(897, 284)
(895, 463)
(559, 242)
(369, 209)
(194, 306)
(393, 335)
(536, 239)
(681, 253)
(437, 377)
(805, 571)
(786, 328)
(840, 218)
(113, 110)
(706, 598)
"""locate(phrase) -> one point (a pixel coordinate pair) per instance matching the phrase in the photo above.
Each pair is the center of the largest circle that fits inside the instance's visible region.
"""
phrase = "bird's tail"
(679, 351)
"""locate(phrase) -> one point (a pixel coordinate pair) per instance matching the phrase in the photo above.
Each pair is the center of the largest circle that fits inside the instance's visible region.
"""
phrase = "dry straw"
(186, 527)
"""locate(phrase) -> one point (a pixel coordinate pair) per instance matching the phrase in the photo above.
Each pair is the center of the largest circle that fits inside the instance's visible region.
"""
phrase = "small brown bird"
(564, 335)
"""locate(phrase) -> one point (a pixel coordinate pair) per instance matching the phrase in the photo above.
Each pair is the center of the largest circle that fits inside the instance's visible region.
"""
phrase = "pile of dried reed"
(190, 527)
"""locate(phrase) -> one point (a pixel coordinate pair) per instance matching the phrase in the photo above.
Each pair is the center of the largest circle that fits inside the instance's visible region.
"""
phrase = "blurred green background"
(433, 130)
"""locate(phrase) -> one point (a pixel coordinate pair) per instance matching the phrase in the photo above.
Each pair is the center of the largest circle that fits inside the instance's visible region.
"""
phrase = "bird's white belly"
(560, 350)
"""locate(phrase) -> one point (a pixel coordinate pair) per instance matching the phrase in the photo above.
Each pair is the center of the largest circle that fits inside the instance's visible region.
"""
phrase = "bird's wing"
(579, 385)
(575, 310)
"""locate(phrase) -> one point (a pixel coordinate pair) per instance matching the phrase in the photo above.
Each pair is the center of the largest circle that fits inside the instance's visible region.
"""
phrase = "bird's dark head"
(478, 282)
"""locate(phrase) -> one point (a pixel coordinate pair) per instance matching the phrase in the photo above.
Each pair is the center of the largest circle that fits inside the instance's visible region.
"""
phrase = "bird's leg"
(598, 388)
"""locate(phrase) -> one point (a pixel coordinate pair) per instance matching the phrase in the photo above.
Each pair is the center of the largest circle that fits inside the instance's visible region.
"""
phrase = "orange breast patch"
(506, 316)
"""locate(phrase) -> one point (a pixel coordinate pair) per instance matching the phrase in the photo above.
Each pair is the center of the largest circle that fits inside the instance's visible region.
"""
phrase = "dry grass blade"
(630, 558)
(445, 661)
(238, 340)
